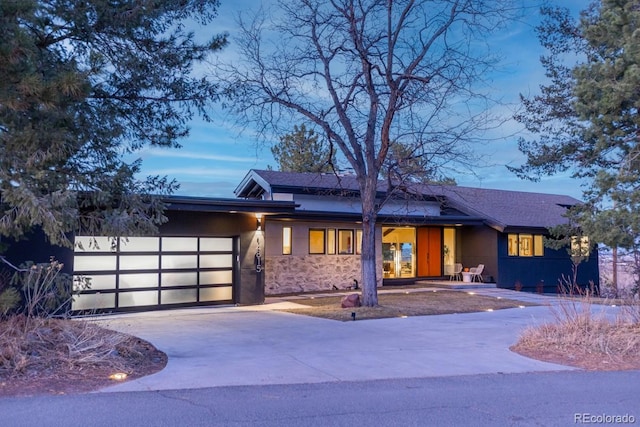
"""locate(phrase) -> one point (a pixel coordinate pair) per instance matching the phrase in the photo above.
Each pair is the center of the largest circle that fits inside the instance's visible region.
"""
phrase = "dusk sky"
(217, 155)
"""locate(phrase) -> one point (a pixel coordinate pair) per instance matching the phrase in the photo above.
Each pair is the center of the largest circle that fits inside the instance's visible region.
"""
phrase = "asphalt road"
(530, 399)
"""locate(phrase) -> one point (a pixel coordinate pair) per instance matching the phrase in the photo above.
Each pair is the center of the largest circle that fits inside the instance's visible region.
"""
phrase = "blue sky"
(217, 155)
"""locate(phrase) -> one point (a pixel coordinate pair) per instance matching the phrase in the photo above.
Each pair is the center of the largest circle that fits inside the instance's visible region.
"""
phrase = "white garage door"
(153, 272)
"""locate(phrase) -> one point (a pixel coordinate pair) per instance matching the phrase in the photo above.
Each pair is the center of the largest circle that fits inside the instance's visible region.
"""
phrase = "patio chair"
(476, 272)
(456, 272)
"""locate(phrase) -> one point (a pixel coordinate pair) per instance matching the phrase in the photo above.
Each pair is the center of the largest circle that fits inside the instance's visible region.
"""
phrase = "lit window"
(316, 241)
(526, 245)
(580, 246)
(331, 241)
(538, 245)
(513, 245)
(358, 242)
(345, 241)
(286, 240)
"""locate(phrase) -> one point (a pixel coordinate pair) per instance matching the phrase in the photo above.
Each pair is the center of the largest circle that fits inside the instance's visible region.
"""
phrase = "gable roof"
(257, 182)
(503, 210)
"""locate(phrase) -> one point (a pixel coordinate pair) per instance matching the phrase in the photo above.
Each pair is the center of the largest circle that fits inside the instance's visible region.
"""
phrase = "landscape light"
(118, 376)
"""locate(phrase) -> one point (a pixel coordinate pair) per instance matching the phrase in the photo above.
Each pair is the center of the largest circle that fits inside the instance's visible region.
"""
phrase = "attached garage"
(154, 272)
(205, 254)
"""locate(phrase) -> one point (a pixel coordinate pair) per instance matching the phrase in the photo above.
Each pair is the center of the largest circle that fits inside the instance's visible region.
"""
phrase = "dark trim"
(445, 221)
(205, 204)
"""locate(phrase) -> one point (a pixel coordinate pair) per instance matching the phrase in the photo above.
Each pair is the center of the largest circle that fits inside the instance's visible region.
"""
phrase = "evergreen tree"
(301, 151)
(586, 119)
(83, 83)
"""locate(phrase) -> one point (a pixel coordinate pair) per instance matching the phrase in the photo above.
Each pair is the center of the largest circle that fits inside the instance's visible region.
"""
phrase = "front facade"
(420, 237)
(296, 232)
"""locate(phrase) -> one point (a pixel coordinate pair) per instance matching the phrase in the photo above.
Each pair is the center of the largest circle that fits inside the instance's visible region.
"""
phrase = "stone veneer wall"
(292, 274)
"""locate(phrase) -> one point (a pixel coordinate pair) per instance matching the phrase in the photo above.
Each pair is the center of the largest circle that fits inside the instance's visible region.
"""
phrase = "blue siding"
(545, 271)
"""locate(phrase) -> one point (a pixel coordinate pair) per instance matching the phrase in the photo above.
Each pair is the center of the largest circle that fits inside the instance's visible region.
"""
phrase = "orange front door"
(429, 251)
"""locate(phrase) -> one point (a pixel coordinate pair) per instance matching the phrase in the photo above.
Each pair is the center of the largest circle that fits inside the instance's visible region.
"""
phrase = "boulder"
(352, 300)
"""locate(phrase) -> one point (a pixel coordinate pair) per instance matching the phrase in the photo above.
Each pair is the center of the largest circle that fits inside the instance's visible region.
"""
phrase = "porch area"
(454, 284)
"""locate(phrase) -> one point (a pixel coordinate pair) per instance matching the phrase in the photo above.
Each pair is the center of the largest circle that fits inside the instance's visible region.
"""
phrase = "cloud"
(222, 189)
(157, 152)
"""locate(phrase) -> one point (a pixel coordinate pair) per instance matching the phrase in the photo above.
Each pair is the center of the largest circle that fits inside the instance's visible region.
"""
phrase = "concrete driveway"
(224, 346)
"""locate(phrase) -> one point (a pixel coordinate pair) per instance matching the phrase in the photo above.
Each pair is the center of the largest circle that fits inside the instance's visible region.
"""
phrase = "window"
(513, 245)
(538, 245)
(286, 240)
(525, 245)
(331, 241)
(345, 241)
(580, 246)
(316, 241)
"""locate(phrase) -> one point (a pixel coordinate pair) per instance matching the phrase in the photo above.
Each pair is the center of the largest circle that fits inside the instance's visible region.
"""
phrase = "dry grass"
(44, 347)
(404, 304)
(60, 356)
(584, 337)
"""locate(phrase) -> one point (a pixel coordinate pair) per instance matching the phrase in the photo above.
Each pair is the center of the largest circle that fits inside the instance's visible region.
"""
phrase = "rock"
(352, 300)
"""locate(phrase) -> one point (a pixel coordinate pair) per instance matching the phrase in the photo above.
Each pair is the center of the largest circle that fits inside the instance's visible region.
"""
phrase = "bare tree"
(369, 73)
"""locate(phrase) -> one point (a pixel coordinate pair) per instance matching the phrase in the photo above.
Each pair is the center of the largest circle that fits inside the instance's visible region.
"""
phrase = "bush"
(38, 290)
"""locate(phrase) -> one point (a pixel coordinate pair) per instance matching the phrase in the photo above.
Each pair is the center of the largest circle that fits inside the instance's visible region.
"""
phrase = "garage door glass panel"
(94, 301)
(179, 296)
(213, 244)
(216, 294)
(216, 261)
(216, 277)
(88, 244)
(140, 244)
(147, 280)
(94, 263)
(179, 244)
(138, 262)
(179, 261)
(179, 279)
(133, 299)
(97, 282)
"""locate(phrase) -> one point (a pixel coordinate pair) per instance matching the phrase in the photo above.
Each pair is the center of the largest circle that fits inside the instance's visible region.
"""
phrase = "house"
(422, 232)
(299, 232)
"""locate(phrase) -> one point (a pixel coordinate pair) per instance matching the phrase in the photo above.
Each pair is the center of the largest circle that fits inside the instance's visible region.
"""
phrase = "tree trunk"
(368, 259)
(614, 279)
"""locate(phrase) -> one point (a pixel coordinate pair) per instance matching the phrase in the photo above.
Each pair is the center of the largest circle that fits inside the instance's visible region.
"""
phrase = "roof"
(257, 181)
(502, 209)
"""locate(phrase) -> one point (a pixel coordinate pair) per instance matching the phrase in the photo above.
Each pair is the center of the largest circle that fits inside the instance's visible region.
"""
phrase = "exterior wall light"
(258, 221)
